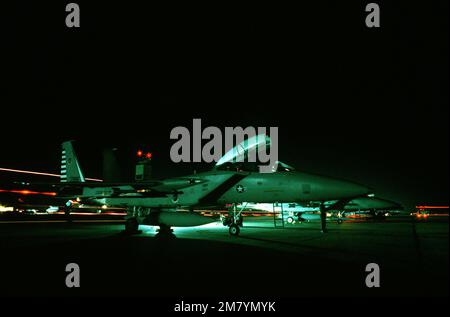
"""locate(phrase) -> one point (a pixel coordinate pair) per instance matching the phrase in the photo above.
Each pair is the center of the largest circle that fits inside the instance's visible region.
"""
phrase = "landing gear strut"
(235, 221)
(323, 218)
(131, 222)
(67, 210)
(131, 225)
(164, 231)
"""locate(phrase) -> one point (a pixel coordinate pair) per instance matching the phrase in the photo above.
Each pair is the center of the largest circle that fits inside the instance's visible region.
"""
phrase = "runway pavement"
(296, 260)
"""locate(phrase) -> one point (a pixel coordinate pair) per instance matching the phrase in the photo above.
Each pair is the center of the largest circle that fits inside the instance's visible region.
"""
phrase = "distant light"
(432, 207)
(371, 195)
(104, 206)
(148, 155)
(4, 208)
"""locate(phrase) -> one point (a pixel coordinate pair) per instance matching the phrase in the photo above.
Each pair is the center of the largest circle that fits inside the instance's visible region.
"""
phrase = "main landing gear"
(131, 226)
(136, 215)
(164, 231)
(131, 222)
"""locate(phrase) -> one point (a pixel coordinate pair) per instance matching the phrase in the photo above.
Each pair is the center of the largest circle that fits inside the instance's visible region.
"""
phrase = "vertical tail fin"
(70, 168)
(111, 168)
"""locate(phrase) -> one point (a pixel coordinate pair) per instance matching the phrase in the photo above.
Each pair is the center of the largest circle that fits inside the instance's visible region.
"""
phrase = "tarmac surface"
(297, 260)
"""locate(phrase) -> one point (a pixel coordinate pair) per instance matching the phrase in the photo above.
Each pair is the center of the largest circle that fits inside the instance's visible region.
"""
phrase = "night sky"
(368, 105)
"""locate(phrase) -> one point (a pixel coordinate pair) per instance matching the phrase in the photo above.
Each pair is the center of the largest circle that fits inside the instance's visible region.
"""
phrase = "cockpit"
(253, 167)
(237, 159)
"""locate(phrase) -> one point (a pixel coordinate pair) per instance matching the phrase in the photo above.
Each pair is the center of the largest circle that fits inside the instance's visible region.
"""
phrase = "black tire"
(290, 220)
(226, 221)
(234, 230)
(339, 221)
(131, 225)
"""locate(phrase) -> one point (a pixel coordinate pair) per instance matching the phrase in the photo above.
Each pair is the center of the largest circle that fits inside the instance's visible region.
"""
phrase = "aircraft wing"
(168, 186)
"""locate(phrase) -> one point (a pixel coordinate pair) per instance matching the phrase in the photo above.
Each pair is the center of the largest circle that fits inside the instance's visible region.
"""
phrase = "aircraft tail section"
(111, 168)
(70, 168)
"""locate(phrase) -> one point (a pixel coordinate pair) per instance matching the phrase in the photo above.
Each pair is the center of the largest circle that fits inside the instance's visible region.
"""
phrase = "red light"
(148, 155)
(139, 153)
(432, 207)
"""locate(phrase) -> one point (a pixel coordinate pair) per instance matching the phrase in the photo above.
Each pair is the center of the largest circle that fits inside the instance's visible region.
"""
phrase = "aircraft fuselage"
(225, 187)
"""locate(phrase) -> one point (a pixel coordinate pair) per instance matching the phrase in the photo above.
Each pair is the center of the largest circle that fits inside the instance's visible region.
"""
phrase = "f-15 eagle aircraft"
(156, 202)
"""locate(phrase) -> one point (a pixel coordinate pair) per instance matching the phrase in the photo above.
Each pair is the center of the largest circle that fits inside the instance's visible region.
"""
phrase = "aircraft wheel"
(131, 225)
(290, 220)
(226, 221)
(339, 221)
(234, 230)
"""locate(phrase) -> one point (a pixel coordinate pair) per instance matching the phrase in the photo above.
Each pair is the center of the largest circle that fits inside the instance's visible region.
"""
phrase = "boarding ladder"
(278, 215)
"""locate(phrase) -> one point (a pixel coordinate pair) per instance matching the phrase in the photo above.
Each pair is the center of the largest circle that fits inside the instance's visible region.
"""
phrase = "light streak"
(27, 192)
(432, 207)
(42, 174)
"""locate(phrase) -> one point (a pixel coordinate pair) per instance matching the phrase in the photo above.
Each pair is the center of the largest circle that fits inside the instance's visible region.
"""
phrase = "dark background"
(369, 105)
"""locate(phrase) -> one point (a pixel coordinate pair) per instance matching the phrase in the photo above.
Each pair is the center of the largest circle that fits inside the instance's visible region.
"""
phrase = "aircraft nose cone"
(322, 188)
(332, 189)
(345, 189)
(376, 203)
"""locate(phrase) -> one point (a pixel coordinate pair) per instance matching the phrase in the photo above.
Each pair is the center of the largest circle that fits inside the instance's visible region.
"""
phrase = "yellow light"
(41, 173)
(4, 208)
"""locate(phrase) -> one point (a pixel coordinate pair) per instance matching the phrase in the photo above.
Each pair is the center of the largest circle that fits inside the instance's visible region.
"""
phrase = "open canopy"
(238, 157)
(241, 152)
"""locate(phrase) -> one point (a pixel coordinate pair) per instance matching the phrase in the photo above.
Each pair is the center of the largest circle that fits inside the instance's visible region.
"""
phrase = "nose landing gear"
(234, 229)
(234, 220)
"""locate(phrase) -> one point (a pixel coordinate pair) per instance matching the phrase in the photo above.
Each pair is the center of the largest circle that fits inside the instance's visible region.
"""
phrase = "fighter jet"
(156, 202)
